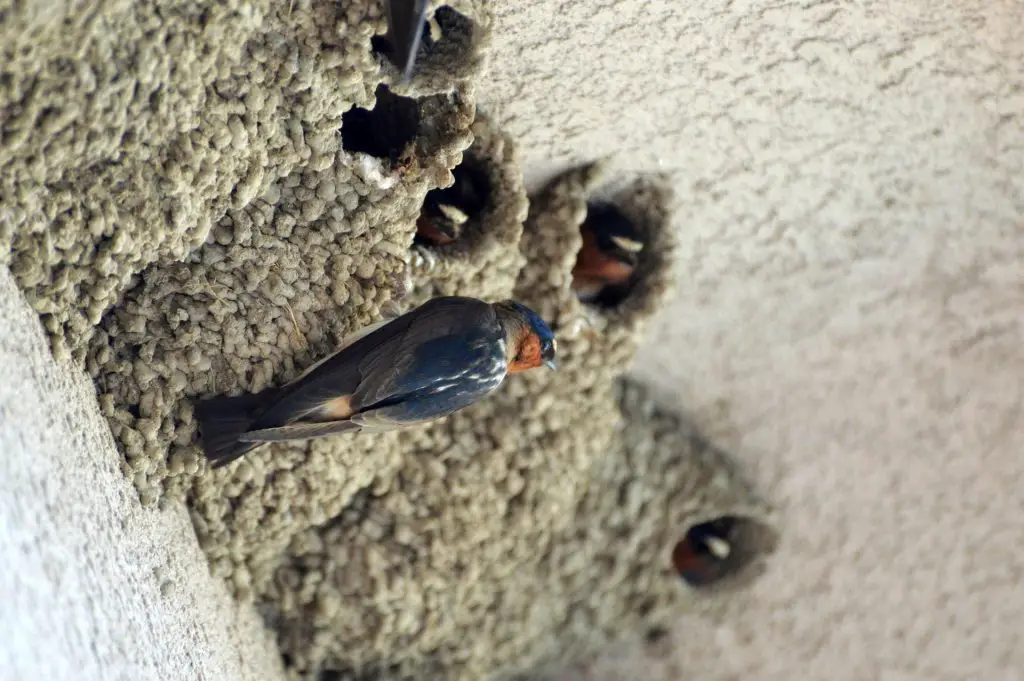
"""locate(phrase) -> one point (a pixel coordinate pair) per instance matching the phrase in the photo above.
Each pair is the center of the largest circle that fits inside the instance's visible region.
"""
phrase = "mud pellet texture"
(480, 553)
(430, 578)
(203, 200)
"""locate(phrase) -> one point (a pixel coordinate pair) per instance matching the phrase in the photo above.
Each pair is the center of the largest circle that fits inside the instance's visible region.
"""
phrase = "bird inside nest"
(606, 264)
(702, 557)
(446, 212)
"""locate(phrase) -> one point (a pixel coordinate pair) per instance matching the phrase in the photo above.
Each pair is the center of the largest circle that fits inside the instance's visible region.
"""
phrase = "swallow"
(446, 211)
(411, 369)
(702, 556)
(407, 20)
(608, 257)
(440, 224)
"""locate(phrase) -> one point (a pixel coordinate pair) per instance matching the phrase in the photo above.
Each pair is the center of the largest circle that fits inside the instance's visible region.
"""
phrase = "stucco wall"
(94, 587)
(850, 322)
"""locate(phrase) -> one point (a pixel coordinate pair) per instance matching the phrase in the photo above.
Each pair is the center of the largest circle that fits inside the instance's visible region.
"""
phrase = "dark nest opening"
(446, 40)
(386, 131)
(718, 550)
(610, 259)
(449, 212)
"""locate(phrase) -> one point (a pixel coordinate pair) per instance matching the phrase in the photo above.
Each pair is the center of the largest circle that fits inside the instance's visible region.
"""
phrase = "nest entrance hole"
(610, 258)
(449, 212)
(387, 131)
(446, 40)
(719, 549)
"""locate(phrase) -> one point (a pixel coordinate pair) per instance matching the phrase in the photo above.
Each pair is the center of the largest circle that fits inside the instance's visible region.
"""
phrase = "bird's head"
(529, 339)
(702, 556)
(447, 212)
(612, 234)
(436, 230)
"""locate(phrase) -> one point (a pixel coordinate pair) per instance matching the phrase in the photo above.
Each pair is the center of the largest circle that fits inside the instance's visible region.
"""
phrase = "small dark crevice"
(381, 45)
(354, 512)
(386, 131)
(372, 672)
(448, 212)
(607, 264)
(330, 675)
(655, 635)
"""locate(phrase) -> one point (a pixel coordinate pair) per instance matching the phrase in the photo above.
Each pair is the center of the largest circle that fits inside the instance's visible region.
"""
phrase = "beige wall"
(93, 586)
(850, 321)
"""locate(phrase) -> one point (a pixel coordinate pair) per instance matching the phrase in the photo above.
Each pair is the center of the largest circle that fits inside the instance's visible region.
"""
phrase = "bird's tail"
(223, 419)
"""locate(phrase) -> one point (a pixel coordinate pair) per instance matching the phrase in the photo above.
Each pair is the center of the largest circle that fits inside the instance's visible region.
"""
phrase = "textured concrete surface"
(851, 187)
(93, 586)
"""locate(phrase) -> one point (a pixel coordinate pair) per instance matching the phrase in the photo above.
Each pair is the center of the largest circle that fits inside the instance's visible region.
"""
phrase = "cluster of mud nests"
(202, 199)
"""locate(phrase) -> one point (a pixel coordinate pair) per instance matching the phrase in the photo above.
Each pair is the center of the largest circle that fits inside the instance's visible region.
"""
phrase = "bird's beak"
(628, 245)
(551, 364)
(719, 548)
(453, 213)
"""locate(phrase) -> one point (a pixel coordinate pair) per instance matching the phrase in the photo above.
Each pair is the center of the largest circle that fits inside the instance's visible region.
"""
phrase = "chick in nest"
(426, 364)
(446, 211)
(702, 556)
(608, 257)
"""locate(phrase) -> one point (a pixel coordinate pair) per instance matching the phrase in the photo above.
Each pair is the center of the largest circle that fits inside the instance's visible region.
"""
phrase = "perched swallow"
(446, 211)
(407, 21)
(702, 556)
(608, 257)
(430, 362)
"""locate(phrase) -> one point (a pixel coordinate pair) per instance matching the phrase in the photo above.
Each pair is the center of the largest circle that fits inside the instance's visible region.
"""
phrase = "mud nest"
(534, 526)
(204, 200)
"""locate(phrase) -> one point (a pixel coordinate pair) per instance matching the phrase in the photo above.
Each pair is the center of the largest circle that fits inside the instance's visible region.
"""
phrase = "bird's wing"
(455, 341)
(405, 30)
(414, 409)
(422, 407)
(298, 431)
(392, 360)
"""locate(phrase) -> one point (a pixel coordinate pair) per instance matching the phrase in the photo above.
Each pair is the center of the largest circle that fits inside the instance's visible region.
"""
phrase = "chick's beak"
(551, 364)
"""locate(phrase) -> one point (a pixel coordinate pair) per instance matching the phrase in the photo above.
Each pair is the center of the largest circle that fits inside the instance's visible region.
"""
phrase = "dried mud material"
(609, 575)
(485, 260)
(180, 204)
(531, 526)
(129, 132)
